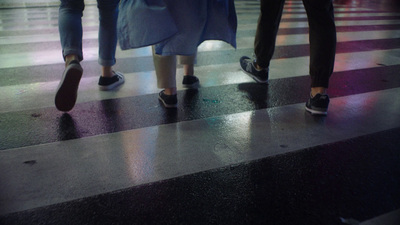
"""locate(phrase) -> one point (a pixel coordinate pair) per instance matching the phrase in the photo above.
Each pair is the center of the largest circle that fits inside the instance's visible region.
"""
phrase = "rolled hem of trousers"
(71, 51)
(103, 62)
(187, 59)
(320, 82)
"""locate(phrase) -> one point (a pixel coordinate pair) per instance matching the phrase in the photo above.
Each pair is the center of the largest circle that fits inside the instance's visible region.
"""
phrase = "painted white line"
(45, 57)
(41, 95)
(75, 169)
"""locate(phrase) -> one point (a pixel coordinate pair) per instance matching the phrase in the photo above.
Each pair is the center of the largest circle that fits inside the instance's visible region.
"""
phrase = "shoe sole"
(316, 112)
(255, 78)
(167, 105)
(110, 87)
(114, 85)
(67, 91)
(191, 86)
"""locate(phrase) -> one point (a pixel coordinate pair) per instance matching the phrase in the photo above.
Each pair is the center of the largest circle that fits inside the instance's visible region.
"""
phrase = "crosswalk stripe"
(8, 60)
(24, 96)
(138, 156)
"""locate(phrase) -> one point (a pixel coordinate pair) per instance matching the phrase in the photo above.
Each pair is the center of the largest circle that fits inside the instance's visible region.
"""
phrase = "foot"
(190, 81)
(109, 83)
(248, 67)
(318, 105)
(169, 101)
(67, 91)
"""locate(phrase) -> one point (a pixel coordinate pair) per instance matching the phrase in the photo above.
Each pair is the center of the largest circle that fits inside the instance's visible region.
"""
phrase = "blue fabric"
(144, 22)
(176, 27)
(70, 28)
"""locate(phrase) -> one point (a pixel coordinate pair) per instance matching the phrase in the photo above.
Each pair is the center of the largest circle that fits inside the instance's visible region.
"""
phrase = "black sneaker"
(247, 65)
(109, 83)
(67, 90)
(318, 104)
(190, 81)
(169, 101)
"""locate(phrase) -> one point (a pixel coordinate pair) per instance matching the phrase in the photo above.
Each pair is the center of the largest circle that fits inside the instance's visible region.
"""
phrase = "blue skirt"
(175, 27)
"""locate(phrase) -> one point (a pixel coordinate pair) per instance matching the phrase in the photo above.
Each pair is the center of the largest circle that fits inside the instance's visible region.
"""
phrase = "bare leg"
(170, 91)
(317, 90)
(70, 58)
(107, 71)
(188, 69)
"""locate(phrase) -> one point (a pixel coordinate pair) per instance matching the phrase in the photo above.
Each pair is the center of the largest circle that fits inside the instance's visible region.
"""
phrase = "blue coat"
(175, 27)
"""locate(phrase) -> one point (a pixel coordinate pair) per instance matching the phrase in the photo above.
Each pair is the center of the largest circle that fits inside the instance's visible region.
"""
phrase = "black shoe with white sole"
(247, 65)
(67, 91)
(109, 83)
(190, 81)
(169, 101)
(318, 105)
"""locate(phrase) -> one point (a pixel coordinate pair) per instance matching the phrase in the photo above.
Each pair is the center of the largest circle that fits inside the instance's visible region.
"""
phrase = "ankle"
(188, 69)
(257, 66)
(170, 91)
(317, 90)
(70, 58)
(107, 71)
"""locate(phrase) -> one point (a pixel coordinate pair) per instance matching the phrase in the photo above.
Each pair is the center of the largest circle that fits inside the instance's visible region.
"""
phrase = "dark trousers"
(322, 32)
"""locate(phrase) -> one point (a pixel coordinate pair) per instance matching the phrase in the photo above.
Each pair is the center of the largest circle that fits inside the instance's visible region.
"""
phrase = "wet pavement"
(233, 152)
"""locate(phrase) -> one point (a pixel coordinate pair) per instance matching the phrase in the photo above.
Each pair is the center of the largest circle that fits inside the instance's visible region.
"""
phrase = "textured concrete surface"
(348, 181)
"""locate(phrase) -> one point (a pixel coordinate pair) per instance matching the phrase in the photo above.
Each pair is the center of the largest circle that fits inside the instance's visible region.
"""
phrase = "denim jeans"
(70, 28)
(322, 31)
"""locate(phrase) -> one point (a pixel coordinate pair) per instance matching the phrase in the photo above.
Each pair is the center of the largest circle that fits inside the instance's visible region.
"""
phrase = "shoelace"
(249, 66)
